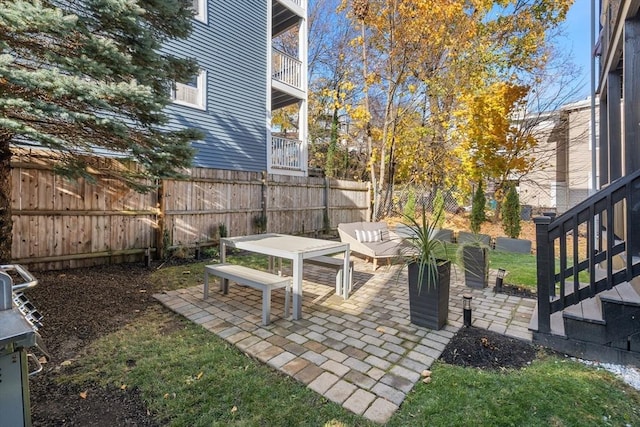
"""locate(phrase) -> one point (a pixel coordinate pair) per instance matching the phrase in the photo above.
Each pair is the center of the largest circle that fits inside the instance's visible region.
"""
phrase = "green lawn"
(190, 377)
(521, 268)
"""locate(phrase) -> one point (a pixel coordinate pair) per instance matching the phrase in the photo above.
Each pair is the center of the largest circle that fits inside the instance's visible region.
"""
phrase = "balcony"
(286, 14)
(287, 85)
(287, 154)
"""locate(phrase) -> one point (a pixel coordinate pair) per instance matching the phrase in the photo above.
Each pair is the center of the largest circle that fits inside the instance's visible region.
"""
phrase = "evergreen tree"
(478, 204)
(409, 210)
(511, 213)
(87, 76)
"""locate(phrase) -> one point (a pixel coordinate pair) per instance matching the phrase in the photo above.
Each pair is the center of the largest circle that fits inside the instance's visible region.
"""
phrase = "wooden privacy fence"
(58, 223)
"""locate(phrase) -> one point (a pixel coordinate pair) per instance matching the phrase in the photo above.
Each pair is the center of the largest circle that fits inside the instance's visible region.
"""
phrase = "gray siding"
(232, 48)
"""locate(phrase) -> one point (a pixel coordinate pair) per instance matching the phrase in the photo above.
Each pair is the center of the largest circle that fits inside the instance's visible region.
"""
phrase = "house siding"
(563, 174)
(232, 48)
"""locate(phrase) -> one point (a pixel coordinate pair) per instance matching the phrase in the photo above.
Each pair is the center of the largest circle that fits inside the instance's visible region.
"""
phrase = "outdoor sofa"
(372, 240)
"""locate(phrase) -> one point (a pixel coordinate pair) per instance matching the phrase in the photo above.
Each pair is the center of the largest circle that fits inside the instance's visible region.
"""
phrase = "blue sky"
(578, 30)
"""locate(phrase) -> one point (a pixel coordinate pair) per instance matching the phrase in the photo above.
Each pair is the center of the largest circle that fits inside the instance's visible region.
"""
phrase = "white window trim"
(201, 11)
(201, 87)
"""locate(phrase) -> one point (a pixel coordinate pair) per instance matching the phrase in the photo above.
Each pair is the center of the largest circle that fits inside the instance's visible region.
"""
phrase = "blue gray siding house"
(243, 80)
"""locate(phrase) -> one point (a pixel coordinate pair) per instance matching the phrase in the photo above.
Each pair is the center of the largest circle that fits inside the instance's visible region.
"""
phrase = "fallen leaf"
(123, 387)
(186, 272)
(83, 394)
(166, 395)
(142, 291)
(380, 329)
(426, 373)
(66, 363)
(234, 409)
(427, 380)
(42, 360)
(199, 375)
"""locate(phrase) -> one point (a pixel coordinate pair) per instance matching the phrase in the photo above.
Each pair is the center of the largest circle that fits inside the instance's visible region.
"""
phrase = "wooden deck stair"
(605, 327)
(599, 320)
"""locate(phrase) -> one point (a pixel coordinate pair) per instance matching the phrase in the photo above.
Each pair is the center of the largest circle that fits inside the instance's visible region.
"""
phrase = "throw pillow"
(368, 236)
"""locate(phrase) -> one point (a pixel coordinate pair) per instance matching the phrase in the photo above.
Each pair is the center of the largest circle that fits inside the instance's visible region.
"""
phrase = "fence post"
(545, 269)
(264, 201)
(369, 207)
(327, 211)
(160, 238)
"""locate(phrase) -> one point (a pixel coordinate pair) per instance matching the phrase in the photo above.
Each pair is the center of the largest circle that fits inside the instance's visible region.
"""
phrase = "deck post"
(544, 258)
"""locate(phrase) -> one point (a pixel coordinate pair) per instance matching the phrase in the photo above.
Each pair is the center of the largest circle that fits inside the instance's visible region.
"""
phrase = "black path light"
(466, 309)
(500, 279)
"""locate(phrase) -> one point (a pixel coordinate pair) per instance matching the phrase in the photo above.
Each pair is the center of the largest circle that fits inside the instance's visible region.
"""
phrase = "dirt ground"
(82, 305)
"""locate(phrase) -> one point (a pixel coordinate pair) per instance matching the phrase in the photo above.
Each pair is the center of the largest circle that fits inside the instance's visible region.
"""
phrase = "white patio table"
(295, 248)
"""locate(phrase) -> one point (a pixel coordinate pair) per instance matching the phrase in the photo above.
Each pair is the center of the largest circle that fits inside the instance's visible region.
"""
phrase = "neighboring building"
(243, 80)
(562, 175)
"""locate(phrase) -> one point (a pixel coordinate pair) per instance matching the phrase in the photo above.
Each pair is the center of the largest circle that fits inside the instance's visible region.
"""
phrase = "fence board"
(60, 223)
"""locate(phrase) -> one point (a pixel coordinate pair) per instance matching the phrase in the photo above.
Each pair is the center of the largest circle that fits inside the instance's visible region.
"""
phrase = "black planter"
(429, 307)
(476, 266)
(508, 244)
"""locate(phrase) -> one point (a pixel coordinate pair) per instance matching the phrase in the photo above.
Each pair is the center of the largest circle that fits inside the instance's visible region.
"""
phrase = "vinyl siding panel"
(232, 48)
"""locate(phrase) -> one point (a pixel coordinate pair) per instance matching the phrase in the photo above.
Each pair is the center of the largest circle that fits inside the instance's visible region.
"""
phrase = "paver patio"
(362, 353)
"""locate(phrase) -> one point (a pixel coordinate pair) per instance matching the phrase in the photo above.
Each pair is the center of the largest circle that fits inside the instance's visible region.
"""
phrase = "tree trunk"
(6, 224)
(371, 163)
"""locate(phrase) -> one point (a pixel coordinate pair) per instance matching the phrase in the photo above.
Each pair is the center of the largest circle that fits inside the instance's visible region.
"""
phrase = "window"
(200, 9)
(191, 93)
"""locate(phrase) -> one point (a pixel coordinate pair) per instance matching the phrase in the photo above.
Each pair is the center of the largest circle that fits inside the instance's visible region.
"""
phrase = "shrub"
(409, 210)
(477, 209)
(511, 213)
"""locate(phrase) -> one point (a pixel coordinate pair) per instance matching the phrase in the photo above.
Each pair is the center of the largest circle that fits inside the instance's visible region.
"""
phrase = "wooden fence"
(58, 223)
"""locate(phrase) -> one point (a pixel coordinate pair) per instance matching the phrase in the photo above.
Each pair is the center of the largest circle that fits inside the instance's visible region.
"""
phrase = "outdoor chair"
(372, 240)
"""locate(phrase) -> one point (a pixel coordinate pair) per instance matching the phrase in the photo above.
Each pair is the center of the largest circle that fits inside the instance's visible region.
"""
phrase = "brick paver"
(362, 353)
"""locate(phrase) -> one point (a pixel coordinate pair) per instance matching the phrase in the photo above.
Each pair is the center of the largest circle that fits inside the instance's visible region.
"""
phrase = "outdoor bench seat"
(253, 278)
(336, 264)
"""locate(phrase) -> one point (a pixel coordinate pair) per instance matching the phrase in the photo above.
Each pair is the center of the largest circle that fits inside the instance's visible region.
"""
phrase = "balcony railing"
(287, 69)
(286, 153)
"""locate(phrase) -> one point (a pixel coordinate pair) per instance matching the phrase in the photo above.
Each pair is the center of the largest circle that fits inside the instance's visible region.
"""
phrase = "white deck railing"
(287, 69)
(286, 153)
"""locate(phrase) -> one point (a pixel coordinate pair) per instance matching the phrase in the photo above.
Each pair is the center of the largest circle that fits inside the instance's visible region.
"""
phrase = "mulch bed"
(519, 291)
(479, 348)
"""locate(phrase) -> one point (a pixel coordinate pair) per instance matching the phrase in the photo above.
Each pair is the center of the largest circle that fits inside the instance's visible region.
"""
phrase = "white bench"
(253, 278)
(336, 264)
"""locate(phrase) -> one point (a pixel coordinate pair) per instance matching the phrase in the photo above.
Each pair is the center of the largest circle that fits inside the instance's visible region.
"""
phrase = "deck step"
(589, 310)
(557, 323)
(624, 293)
(584, 321)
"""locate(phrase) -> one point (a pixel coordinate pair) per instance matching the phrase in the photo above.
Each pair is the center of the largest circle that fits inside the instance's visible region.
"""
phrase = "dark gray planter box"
(444, 234)
(476, 266)
(508, 244)
(430, 307)
(468, 237)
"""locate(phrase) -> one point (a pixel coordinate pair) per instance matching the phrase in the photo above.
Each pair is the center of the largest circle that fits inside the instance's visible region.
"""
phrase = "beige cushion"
(368, 236)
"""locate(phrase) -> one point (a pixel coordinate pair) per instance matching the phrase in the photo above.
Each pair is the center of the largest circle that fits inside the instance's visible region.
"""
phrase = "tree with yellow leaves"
(493, 146)
(423, 58)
